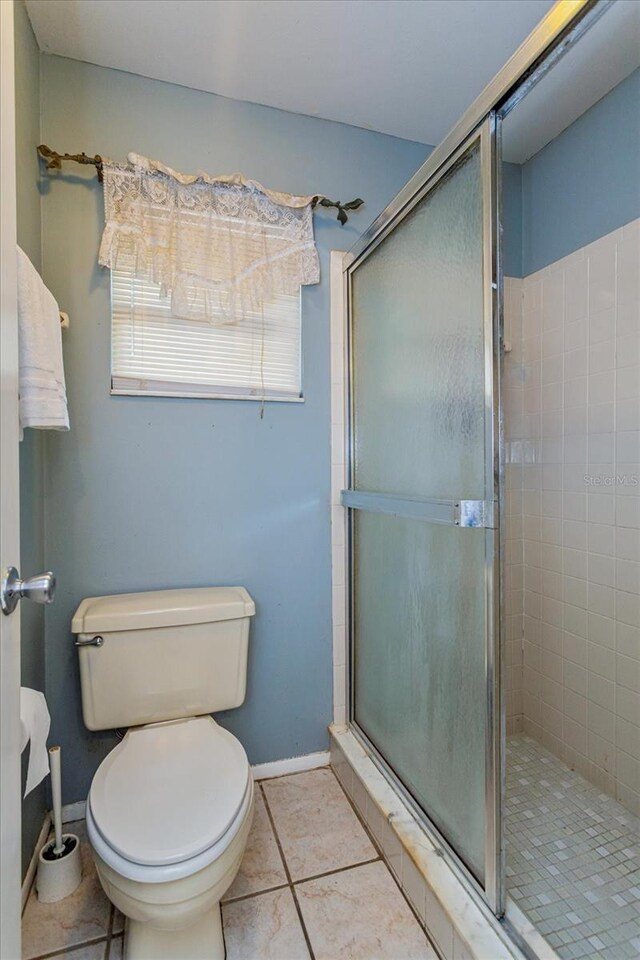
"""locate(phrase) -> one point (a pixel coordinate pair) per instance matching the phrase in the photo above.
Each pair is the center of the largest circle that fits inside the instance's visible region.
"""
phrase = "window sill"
(120, 392)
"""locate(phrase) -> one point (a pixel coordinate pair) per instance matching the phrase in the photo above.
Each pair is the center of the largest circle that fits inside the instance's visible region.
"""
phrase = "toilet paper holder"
(40, 589)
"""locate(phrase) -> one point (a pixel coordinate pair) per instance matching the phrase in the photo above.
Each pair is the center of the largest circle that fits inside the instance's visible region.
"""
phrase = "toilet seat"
(174, 871)
(169, 799)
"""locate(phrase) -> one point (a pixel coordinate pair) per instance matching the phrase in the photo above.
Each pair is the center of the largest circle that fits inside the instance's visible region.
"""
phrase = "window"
(155, 353)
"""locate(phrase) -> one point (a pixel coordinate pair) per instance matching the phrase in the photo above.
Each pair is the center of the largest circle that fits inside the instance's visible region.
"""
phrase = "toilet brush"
(59, 867)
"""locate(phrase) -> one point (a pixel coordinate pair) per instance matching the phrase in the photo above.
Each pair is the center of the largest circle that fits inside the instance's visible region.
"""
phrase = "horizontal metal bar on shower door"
(457, 513)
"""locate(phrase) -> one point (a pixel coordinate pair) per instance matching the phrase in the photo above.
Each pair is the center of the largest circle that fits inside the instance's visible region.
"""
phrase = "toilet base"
(202, 940)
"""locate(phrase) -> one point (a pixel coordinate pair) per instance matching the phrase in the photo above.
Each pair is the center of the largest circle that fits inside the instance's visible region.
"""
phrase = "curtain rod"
(54, 162)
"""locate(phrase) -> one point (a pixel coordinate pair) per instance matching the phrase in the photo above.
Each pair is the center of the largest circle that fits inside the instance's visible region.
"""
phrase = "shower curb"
(456, 924)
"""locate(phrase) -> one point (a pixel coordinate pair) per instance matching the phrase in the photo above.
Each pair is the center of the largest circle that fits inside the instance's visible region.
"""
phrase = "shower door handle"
(457, 513)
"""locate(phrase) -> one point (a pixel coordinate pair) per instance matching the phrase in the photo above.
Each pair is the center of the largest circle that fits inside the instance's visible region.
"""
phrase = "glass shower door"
(423, 499)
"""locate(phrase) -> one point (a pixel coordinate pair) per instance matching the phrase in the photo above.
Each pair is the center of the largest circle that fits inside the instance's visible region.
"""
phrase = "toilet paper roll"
(35, 722)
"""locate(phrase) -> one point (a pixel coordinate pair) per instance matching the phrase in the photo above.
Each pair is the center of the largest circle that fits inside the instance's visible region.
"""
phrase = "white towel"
(43, 396)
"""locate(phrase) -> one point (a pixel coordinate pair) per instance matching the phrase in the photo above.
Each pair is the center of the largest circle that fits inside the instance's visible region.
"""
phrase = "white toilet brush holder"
(59, 866)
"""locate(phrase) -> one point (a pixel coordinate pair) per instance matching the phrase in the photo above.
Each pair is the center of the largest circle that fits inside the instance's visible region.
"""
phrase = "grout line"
(288, 875)
(255, 893)
(304, 927)
(275, 833)
(224, 936)
(314, 876)
(71, 948)
(330, 873)
(109, 932)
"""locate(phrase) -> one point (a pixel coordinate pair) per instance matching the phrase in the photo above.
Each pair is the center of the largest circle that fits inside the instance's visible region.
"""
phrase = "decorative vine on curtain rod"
(219, 247)
(54, 162)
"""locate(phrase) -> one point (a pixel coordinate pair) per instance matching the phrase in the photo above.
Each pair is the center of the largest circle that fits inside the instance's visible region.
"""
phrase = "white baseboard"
(280, 768)
(74, 811)
(30, 875)
(260, 771)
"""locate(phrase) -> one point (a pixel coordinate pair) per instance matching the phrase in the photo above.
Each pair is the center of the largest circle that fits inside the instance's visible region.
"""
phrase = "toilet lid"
(169, 790)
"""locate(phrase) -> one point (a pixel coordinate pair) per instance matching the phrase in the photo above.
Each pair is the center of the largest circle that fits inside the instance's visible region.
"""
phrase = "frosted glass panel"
(418, 348)
(419, 429)
(420, 692)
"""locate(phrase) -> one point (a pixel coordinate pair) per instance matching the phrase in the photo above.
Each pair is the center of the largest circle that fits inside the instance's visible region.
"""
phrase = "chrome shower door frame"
(454, 512)
(556, 34)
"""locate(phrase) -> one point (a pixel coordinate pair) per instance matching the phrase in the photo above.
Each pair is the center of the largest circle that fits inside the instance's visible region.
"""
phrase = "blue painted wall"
(154, 493)
(27, 76)
(151, 493)
(586, 182)
(512, 219)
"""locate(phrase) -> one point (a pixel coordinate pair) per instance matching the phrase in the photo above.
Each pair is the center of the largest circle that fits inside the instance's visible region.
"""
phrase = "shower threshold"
(458, 923)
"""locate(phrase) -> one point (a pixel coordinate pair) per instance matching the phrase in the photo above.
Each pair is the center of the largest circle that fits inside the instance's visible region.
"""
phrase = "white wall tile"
(602, 387)
(627, 737)
(600, 418)
(627, 608)
(628, 446)
(601, 629)
(580, 499)
(600, 509)
(627, 543)
(628, 414)
(601, 600)
(628, 267)
(602, 273)
(601, 661)
(628, 512)
(628, 350)
(628, 640)
(600, 538)
(628, 383)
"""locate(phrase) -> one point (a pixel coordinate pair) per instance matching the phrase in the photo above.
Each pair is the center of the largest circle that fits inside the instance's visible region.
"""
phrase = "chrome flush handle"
(40, 589)
(90, 642)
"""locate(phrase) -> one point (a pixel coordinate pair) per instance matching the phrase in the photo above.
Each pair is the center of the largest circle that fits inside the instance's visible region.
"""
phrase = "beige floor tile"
(316, 826)
(262, 866)
(361, 914)
(265, 927)
(82, 916)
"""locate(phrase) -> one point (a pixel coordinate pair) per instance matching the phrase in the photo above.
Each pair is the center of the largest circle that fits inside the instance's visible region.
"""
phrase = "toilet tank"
(163, 655)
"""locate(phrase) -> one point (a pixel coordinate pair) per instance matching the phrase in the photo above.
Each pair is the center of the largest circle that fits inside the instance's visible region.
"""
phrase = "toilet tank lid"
(161, 608)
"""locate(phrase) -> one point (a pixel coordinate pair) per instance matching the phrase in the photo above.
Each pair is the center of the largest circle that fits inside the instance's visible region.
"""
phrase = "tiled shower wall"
(572, 416)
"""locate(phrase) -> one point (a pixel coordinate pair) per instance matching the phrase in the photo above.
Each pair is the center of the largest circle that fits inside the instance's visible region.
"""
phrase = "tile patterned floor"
(573, 857)
(311, 886)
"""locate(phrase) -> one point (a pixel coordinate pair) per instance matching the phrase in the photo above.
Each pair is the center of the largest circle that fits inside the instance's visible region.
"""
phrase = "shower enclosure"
(427, 524)
(423, 497)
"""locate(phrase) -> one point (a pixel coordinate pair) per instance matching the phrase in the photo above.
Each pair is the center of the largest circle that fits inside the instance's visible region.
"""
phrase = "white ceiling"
(404, 67)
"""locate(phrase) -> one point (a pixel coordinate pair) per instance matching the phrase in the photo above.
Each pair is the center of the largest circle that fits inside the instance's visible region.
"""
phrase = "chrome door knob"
(40, 589)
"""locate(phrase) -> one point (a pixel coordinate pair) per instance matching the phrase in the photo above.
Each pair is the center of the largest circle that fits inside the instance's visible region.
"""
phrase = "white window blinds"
(153, 352)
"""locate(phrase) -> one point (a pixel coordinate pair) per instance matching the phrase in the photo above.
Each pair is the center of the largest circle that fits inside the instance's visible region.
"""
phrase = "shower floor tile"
(573, 857)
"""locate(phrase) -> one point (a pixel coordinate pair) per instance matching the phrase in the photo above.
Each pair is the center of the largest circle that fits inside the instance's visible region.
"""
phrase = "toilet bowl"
(169, 809)
(168, 816)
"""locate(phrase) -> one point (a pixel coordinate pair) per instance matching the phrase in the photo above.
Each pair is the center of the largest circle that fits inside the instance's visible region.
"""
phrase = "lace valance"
(218, 246)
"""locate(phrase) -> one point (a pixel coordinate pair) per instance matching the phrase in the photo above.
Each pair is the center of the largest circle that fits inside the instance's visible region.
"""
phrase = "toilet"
(170, 807)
